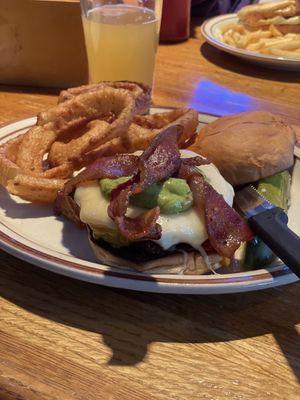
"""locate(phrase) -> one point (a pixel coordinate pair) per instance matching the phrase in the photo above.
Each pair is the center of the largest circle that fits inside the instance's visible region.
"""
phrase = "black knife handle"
(271, 227)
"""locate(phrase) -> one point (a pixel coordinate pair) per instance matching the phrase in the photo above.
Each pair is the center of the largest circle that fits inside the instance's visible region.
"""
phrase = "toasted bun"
(288, 28)
(248, 146)
(267, 13)
(283, 28)
(187, 263)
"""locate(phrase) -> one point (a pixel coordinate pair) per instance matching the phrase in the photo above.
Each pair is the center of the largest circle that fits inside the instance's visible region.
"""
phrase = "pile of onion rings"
(89, 121)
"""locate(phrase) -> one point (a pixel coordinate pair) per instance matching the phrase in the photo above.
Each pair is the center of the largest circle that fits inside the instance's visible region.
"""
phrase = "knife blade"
(269, 222)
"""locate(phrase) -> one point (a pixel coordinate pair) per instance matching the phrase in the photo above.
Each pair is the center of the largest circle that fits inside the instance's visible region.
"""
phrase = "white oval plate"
(211, 29)
(32, 233)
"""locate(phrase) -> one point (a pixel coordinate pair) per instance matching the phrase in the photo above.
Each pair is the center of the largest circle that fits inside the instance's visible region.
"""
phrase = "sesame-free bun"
(285, 29)
(275, 13)
(248, 146)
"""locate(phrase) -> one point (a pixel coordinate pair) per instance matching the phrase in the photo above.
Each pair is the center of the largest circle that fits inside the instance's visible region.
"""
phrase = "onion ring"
(34, 188)
(140, 92)
(87, 121)
(8, 154)
(22, 160)
(72, 114)
(138, 137)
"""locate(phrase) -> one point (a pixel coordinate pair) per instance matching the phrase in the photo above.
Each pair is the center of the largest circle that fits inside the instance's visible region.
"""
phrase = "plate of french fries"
(264, 45)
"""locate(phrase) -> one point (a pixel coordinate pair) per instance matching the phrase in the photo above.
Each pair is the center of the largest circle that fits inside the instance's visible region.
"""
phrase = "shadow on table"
(238, 65)
(130, 321)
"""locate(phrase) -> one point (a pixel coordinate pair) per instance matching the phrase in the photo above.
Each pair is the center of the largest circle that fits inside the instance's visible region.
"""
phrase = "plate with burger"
(144, 201)
(267, 33)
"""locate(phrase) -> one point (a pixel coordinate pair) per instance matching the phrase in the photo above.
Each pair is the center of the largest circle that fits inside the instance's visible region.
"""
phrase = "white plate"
(211, 31)
(32, 233)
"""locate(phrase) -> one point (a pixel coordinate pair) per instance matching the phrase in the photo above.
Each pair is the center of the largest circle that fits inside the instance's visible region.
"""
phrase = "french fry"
(269, 41)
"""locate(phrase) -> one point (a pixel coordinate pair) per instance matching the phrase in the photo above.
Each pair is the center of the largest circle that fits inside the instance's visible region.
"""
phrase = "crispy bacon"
(142, 227)
(119, 198)
(195, 161)
(160, 161)
(106, 167)
(226, 229)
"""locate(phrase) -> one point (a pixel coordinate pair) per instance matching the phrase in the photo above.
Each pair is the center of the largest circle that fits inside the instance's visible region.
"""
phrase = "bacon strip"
(226, 229)
(119, 198)
(195, 161)
(142, 227)
(160, 161)
(106, 167)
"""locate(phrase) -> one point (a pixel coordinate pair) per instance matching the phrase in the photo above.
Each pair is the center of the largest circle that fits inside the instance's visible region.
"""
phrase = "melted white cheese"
(187, 227)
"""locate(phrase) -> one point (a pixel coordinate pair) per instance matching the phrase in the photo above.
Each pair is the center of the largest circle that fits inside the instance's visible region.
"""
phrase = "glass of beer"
(121, 38)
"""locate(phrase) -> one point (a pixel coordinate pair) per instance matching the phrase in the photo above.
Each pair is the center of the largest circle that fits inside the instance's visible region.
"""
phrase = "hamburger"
(162, 210)
(284, 15)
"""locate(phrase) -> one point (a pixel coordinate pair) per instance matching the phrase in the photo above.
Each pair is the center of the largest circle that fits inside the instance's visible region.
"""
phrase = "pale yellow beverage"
(121, 42)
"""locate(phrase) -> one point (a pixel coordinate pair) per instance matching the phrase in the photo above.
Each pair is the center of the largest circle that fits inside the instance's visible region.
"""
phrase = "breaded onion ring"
(8, 154)
(72, 114)
(138, 137)
(140, 92)
(90, 120)
(34, 188)
(23, 168)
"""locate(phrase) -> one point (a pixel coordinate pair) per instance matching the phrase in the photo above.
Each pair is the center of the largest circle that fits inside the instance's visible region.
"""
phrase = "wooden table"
(62, 339)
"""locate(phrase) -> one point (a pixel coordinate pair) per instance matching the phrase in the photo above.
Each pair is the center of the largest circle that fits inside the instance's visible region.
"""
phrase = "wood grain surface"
(62, 339)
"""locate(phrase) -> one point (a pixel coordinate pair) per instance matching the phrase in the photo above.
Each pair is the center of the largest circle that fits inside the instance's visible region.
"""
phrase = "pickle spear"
(276, 189)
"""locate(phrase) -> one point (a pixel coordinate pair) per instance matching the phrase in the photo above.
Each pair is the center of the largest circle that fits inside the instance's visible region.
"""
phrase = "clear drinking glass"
(121, 38)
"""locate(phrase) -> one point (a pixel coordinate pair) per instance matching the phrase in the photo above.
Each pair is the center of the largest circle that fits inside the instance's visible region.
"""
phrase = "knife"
(270, 223)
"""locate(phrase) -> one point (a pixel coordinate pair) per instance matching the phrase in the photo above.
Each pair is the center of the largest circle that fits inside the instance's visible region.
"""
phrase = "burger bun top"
(276, 13)
(247, 147)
